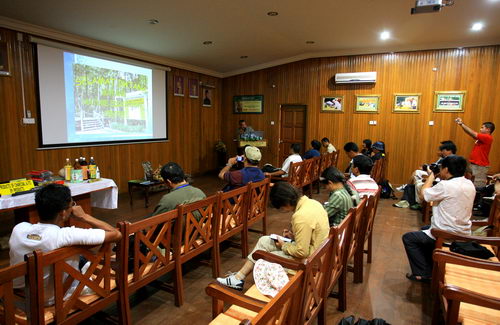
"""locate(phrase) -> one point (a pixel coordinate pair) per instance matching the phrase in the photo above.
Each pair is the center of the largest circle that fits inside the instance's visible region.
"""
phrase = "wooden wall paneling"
(188, 144)
(408, 137)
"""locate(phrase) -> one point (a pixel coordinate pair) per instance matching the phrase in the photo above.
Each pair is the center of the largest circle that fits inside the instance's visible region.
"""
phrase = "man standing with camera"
(479, 157)
(249, 173)
(453, 198)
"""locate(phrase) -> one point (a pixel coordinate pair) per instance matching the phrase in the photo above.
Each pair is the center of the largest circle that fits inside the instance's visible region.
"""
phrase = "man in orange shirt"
(479, 155)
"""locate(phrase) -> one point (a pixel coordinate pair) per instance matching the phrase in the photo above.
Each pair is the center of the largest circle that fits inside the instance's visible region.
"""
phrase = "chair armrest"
(441, 256)
(452, 292)
(285, 262)
(233, 297)
(286, 179)
(441, 235)
(480, 223)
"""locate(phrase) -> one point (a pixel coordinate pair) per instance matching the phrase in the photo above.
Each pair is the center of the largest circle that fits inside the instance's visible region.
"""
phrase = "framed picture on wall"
(4, 57)
(207, 97)
(248, 104)
(406, 103)
(367, 103)
(178, 86)
(193, 88)
(332, 104)
(449, 101)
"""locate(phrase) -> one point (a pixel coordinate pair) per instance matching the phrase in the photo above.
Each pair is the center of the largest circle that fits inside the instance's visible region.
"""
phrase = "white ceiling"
(238, 27)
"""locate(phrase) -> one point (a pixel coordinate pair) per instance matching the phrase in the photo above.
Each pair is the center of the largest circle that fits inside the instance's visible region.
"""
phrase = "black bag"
(387, 190)
(350, 321)
(471, 249)
(268, 168)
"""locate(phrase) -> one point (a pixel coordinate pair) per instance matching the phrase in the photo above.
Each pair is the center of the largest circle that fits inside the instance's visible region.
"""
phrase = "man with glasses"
(55, 206)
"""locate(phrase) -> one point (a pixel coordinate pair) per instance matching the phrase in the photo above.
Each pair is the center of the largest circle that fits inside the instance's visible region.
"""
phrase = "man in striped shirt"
(361, 181)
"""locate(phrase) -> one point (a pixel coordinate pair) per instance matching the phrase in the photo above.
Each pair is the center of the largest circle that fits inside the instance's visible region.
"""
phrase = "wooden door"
(292, 129)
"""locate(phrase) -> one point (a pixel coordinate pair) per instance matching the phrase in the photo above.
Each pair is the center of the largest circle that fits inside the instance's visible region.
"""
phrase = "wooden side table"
(146, 187)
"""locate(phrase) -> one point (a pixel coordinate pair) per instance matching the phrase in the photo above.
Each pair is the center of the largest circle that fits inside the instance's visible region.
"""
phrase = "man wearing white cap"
(250, 172)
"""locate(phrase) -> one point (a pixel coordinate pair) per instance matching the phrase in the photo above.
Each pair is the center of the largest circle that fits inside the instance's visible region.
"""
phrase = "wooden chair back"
(357, 236)
(376, 171)
(308, 172)
(70, 306)
(296, 174)
(258, 195)
(335, 158)
(195, 233)
(278, 310)
(341, 237)
(151, 252)
(371, 211)
(315, 169)
(324, 162)
(494, 218)
(11, 314)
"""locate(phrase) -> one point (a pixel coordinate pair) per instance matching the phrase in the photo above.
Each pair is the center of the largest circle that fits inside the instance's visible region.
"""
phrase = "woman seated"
(342, 196)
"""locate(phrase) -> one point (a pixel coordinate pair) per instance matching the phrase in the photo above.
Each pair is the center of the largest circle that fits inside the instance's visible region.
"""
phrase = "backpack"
(387, 190)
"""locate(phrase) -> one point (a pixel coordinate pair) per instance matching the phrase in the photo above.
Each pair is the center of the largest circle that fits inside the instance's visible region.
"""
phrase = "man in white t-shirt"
(453, 199)
(55, 205)
(328, 145)
(361, 181)
(293, 158)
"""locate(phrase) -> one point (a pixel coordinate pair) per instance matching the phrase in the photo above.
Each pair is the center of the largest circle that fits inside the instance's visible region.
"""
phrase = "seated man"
(453, 197)
(309, 229)
(55, 206)
(351, 150)
(293, 158)
(378, 151)
(367, 147)
(181, 192)
(342, 196)
(327, 144)
(249, 173)
(243, 129)
(314, 152)
(361, 181)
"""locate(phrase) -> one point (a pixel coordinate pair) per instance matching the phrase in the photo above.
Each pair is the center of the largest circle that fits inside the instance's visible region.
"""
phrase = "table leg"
(146, 196)
(130, 194)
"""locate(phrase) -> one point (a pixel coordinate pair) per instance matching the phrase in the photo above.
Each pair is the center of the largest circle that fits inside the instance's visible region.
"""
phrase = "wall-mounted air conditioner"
(356, 78)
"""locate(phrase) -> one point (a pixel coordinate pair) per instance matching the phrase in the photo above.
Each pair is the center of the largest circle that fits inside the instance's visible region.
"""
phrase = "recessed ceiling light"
(244, 57)
(310, 42)
(208, 43)
(385, 35)
(153, 21)
(272, 13)
(477, 26)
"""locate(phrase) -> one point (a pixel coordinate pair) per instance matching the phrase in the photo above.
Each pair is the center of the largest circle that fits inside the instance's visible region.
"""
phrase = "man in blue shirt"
(314, 152)
(250, 172)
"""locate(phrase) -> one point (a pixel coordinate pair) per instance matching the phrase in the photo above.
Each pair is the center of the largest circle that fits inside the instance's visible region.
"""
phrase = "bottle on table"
(67, 170)
(92, 168)
(77, 165)
(85, 168)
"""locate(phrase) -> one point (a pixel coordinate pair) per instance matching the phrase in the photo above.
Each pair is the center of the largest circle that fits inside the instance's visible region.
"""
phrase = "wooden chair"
(341, 240)
(317, 272)
(152, 253)
(10, 314)
(195, 234)
(468, 289)
(248, 310)
(70, 306)
(366, 233)
(308, 175)
(295, 174)
(335, 158)
(234, 206)
(376, 172)
(357, 228)
(257, 205)
(442, 236)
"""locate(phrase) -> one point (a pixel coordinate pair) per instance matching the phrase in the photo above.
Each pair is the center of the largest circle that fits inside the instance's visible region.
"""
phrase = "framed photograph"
(367, 103)
(207, 97)
(193, 88)
(178, 86)
(406, 103)
(332, 104)
(248, 104)
(449, 101)
(4, 57)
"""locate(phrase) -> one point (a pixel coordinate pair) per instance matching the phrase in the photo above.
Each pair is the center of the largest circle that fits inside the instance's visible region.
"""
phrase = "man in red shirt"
(479, 155)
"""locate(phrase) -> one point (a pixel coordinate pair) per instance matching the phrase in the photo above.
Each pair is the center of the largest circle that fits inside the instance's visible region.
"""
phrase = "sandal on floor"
(417, 278)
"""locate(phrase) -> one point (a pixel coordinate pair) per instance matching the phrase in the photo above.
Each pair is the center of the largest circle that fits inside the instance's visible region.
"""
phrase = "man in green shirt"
(309, 229)
(181, 192)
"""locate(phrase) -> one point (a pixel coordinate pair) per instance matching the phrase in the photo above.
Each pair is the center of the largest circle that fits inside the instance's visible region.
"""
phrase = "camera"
(240, 158)
(435, 168)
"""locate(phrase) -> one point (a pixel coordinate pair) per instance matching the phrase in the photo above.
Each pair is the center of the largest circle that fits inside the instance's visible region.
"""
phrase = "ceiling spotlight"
(385, 35)
(310, 42)
(272, 13)
(153, 21)
(208, 43)
(244, 57)
(477, 26)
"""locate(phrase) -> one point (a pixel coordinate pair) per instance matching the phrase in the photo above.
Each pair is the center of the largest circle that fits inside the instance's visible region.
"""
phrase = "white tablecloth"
(107, 199)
